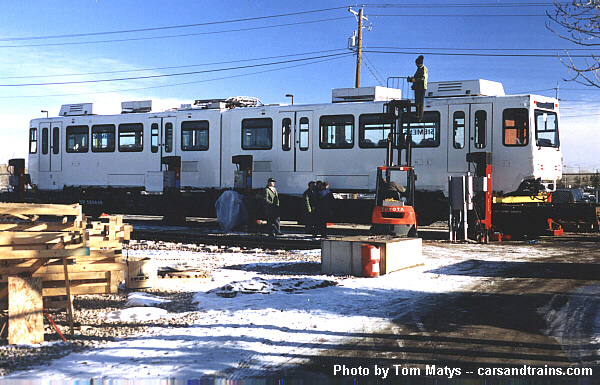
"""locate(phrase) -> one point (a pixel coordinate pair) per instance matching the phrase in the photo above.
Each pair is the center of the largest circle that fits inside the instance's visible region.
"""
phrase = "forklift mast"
(400, 137)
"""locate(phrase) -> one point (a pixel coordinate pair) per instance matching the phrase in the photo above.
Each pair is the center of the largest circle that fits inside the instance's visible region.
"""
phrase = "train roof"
(435, 90)
(477, 87)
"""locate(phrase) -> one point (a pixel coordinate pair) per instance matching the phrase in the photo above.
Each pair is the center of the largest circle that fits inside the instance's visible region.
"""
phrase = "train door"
(469, 130)
(162, 139)
(296, 151)
(162, 143)
(50, 148)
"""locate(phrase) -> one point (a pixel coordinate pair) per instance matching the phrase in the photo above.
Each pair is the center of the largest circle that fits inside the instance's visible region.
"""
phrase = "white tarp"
(231, 210)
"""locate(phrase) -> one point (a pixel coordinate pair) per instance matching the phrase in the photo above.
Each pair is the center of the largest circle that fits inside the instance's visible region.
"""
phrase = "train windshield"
(546, 129)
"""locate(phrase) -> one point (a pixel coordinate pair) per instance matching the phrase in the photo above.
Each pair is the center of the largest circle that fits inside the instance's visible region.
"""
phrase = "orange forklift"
(394, 213)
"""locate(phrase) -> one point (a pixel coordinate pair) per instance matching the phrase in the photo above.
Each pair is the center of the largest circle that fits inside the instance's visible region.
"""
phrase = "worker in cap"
(419, 85)
(271, 200)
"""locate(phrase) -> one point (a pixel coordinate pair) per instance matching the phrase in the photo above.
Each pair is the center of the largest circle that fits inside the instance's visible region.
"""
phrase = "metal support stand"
(461, 193)
(171, 190)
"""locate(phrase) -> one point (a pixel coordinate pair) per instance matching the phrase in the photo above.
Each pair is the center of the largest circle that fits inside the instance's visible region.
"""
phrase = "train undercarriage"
(519, 220)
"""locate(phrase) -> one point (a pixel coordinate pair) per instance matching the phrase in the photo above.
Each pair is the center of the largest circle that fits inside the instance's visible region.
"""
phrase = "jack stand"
(483, 194)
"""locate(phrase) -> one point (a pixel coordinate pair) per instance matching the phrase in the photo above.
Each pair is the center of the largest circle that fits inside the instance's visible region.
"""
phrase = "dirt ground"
(526, 310)
(529, 315)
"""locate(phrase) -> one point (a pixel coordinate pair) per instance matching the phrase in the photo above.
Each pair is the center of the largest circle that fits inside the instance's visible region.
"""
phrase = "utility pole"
(360, 17)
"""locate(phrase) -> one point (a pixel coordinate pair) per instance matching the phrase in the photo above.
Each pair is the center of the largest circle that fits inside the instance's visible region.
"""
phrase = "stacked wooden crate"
(52, 243)
(104, 263)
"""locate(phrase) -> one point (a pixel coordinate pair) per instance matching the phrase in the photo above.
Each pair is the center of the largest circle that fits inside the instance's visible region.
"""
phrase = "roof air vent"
(76, 109)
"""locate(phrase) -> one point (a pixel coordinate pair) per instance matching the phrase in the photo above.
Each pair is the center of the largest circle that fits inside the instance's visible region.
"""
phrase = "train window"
(480, 129)
(426, 133)
(169, 137)
(303, 142)
(515, 127)
(286, 134)
(194, 135)
(45, 140)
(458, 129)
(33, 140)
(336, 131)
(154, 137)
(257, 134)
(546, 129)
(77, 138)
(374, 129)
(103, 138)
(130, 137)
(56, 140)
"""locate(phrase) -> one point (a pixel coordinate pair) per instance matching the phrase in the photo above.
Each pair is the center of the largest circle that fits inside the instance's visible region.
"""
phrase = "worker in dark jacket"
(419, 81)
(271, 200)
(308, 203)
(323, 208)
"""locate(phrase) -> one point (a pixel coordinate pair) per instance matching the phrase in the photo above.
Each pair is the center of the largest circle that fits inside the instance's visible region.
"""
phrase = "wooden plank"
(9, 238)
(25, 311)
(39, 226)
(67, 256)
(37, 264)
(85, 235)
(74, 276)
(104, 244)
(102, 253)
(115, 280)
(93, 288)
(39, 246)
(40, 271)
(48, 254)
(41, 209)
(70, 310)
(112, 224)
(98, 259)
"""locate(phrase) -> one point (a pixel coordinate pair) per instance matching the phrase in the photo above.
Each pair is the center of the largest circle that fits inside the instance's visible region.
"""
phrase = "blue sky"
(267, 49)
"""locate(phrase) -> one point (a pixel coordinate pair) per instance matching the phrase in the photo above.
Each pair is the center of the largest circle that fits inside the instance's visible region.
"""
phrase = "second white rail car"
(341, 142)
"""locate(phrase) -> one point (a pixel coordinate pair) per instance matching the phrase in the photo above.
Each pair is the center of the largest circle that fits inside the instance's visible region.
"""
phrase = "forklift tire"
(412, 233)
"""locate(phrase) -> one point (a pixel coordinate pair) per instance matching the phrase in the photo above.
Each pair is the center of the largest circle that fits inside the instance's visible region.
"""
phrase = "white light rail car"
(341, 142)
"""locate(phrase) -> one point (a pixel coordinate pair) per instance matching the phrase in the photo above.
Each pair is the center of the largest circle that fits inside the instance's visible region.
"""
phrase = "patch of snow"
(138, 313)
(246, 335)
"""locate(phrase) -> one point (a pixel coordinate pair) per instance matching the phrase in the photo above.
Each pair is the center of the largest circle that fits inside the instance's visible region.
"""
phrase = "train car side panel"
(198, 142)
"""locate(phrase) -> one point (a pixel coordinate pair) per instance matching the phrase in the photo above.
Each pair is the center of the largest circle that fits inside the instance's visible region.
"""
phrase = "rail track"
(207, 231)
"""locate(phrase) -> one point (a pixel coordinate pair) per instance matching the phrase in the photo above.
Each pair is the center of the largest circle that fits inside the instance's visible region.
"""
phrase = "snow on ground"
(243, 334)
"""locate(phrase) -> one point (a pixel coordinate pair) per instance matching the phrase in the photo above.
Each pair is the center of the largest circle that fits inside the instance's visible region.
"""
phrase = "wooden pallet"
(55, 243)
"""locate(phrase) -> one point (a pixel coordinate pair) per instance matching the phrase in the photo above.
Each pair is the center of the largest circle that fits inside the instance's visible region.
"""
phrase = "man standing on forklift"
(419, 85)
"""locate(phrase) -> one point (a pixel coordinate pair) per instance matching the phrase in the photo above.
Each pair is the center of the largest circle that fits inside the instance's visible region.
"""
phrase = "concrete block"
(342, 255)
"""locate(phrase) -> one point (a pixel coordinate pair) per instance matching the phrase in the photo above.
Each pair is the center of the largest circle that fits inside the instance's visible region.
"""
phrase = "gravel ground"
(94, 330)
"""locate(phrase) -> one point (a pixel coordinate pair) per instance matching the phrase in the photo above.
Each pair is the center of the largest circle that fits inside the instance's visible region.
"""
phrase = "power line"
(372, 68)
(168, 75)
(454, 15)
(171, 36)
(489, 49)
(404, 6)
(182, 83)
(168, 27)
(384, 50)
(174, 67)
(464, 5)
(154, 29)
